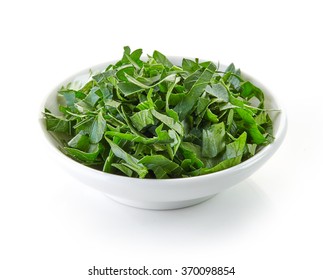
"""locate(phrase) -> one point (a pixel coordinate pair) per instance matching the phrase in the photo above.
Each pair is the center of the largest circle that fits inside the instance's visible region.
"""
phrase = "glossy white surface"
(167, 193)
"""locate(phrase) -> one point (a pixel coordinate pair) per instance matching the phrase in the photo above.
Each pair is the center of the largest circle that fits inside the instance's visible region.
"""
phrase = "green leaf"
(161, 137)
(104, 75)
(86, 157)
(202, 105)
(219, 91)
(236, 148)
(249, 90)
(251, 126)
(161, 166)
(128, 88)
(213, 118)
(159, 57)
(221, 166)
(112, 103)
(233, 156)
(126, 69)
(124, 169)
(190, 65)
(107, 167)
(261, 118)
(170, 122)
(92, 97)
(97, 129)
(231, 68)
(185, 106)
(80, 141)
(56, 124)
(213, 140)
(192, 152)
(131, 161)
(142, 119)
(175, 143)
(252, 149)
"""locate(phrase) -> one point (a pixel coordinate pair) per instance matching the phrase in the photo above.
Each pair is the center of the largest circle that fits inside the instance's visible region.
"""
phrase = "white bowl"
(165, 193)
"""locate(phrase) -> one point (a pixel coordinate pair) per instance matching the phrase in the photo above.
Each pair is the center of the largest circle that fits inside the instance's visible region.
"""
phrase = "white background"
(54, 227)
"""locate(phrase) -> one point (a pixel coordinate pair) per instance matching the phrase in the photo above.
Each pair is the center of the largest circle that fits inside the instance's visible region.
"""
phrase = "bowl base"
(156, 205)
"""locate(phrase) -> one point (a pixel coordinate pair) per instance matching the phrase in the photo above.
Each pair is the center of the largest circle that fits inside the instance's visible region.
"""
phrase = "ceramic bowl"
(166, 193)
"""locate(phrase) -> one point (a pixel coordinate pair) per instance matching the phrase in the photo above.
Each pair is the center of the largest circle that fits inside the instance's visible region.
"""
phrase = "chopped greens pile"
(149, 118)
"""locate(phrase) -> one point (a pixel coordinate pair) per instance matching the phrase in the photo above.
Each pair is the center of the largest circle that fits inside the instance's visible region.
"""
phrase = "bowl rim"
(268, 150)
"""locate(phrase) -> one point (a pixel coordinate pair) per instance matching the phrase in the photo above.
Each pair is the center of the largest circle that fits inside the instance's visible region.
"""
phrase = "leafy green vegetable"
(219, 91)
(89, 157)
(213, 141)
(128, 160)
(161, 165)
(142, 119)
(56, 124)
(149, 118)
(196, 83)
(97, 128)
